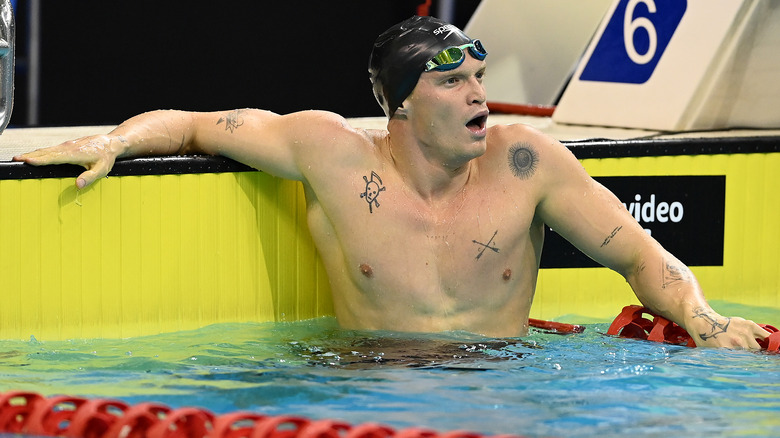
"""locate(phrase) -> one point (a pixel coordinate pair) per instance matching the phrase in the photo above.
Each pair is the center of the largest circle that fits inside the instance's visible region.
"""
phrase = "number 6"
(630, 26)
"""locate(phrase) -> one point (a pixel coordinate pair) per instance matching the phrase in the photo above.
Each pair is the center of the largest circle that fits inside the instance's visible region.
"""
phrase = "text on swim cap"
(446, 28)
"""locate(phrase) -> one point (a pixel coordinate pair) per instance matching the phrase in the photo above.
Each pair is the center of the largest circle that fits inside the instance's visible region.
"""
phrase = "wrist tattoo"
(716, 328)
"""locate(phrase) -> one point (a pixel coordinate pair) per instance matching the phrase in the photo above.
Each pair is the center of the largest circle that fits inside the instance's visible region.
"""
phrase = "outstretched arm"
(261, 139)
(593, 219)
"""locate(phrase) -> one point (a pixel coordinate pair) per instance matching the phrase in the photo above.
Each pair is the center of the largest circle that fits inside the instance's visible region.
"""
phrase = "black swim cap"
(400, 53)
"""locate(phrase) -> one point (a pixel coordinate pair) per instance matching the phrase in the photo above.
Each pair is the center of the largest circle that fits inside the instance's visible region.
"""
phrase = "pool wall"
(177, 243)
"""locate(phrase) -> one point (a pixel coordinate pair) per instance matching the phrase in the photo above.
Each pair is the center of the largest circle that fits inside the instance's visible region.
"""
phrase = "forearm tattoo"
(674, 273)
(522, 160)
(716, 328)
(232, 120)
(487, 246)
(611, 235)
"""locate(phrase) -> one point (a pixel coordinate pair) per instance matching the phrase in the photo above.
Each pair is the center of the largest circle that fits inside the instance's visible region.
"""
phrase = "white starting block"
(678, 65)
(533, 45)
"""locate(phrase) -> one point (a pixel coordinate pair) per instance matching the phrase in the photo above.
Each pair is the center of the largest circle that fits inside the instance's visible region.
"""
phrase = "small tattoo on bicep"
(373, 188)
(485, 246)
(522, 160)
(674, 273)
(716, 328)
(611, 235)
(232, 120)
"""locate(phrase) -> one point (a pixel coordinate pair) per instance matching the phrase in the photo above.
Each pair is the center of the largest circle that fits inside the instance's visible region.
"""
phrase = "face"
(448, 112)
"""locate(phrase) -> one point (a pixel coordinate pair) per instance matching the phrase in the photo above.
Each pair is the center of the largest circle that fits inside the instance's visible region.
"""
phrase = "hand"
(95, 153)
(709, 329)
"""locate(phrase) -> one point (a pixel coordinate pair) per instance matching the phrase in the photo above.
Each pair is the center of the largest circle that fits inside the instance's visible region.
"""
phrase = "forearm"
(668, 288)
(156, 133)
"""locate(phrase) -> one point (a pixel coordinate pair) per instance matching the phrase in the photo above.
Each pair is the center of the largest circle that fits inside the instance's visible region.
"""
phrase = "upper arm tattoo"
(522, 160)
(232, 120)
(611, 235)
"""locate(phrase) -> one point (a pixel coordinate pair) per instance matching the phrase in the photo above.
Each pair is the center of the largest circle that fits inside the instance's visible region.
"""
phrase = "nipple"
(507, 274)
(366, 270)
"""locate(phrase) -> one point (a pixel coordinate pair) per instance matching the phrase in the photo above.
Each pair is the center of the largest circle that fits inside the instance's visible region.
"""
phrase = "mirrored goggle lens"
(451, 56)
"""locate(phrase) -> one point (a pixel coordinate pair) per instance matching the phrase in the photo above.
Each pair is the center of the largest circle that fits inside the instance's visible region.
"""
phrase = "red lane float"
(521, 109)
(557, 327)
(75, 417)
(631, 323)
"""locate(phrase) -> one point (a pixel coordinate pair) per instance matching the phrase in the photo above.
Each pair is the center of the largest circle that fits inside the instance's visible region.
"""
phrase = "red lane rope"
(523, 110)
(631, 323)
(557, 327)
(76, 417)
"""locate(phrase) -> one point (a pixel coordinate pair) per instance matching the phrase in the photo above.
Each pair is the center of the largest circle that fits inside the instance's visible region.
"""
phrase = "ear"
(401, 111)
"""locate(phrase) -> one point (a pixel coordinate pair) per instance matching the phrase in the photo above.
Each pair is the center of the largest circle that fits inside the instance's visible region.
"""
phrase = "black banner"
(684, 213)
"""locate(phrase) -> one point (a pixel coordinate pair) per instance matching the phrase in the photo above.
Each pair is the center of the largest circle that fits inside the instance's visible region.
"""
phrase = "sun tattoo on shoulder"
(522, 160)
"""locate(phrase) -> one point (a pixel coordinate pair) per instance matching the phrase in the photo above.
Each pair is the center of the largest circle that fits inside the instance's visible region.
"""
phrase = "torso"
(396, 263)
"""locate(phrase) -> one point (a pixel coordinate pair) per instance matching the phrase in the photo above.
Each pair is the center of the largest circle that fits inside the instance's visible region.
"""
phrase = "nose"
(477, 94)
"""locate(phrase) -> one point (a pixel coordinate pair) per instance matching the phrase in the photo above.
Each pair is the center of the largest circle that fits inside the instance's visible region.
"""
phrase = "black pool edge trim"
(582, 149)
(657, 147)
(173, 165)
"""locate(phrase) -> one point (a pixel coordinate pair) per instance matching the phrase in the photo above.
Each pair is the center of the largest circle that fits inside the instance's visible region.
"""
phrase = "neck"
(432, 178)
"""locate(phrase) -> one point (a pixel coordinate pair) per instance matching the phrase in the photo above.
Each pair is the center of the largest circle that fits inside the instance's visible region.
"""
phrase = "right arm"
(261, 139)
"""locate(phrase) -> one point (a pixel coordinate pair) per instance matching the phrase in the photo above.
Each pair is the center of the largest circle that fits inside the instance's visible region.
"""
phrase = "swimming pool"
(89, 267)
(542, 385)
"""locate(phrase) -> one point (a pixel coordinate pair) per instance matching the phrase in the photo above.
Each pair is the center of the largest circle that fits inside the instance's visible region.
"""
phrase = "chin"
(479, 147)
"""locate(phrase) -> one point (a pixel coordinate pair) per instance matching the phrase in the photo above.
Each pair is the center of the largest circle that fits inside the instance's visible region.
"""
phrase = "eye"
(451, 80)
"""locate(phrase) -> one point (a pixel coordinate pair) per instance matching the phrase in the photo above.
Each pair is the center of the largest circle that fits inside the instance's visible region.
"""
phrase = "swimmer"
(436, 223)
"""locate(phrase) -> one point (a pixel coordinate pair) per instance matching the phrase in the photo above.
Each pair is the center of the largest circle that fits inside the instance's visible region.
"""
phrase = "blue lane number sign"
(634, 40)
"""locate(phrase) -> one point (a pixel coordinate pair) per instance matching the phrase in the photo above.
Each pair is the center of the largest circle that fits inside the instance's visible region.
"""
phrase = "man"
(395, 214)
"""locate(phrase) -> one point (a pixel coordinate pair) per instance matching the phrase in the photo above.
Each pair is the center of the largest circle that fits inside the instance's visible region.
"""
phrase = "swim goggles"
(452, 57)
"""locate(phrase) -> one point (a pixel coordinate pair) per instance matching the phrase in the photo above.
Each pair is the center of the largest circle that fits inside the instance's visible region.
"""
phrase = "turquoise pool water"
(580, 385)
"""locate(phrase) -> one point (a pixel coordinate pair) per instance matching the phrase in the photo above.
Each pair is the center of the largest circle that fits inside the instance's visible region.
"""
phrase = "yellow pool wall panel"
(138, 255)
(751, 257)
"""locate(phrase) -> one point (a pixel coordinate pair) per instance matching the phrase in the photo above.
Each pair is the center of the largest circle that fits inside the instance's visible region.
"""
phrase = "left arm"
(594, 220)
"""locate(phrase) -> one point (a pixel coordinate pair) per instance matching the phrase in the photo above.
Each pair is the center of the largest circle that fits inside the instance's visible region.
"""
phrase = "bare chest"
(395, 244)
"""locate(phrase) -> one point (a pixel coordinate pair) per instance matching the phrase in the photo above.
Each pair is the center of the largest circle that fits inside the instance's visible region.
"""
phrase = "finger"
(99, 170)
(41, 157)
(762, 333)
(87, 178)
(752, 344)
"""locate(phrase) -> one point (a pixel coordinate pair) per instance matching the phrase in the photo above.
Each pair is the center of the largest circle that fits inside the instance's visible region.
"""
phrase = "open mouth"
(477, 123)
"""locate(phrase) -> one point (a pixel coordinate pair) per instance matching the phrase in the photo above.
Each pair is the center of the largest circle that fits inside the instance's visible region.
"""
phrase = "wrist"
(118, 145)
(705, 324)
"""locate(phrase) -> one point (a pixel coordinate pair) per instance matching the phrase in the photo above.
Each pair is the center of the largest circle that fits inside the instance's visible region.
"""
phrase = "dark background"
(104, 61)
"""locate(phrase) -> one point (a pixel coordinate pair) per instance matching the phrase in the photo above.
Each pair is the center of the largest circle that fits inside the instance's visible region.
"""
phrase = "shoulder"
(313, 130)
(325, 137)
(525, 148)
(504, 137)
